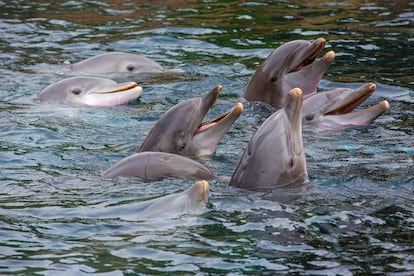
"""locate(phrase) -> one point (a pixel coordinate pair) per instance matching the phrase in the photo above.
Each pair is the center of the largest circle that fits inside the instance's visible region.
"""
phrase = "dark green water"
(57, 214)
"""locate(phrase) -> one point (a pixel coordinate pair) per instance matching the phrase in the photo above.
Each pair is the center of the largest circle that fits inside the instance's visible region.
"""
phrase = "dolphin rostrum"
(274, 156)
(89, 91)
(181, 130)
(333, 109)
(291, 65)
(151, 166)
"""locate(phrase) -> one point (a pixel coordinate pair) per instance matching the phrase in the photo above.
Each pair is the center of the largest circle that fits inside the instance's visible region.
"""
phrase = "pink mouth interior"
(209, 124)
(204, 127)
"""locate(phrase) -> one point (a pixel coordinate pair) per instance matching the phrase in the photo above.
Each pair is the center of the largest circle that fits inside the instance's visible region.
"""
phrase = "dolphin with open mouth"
(334, 109)
(91, 91)
(292, 65)
(181, 130)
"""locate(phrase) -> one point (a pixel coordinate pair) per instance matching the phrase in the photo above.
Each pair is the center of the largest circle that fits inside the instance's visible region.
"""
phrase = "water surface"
(57, 215)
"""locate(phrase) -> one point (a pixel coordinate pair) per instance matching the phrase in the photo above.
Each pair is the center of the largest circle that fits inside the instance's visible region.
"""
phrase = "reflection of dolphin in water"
(181, 130)
(275, 156)
(89, 91)
(191, 201)
(289, 66)
(116, 65)
(158, 165)
(333, 109)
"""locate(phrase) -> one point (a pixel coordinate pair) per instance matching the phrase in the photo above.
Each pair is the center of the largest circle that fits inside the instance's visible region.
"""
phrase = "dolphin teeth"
(207, 124)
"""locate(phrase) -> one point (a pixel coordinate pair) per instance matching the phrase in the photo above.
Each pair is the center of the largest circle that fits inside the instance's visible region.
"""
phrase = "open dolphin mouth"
(231, 114)
(310, 69)
(355, 99)
(223, 121)
(315, 49)
(207, 134)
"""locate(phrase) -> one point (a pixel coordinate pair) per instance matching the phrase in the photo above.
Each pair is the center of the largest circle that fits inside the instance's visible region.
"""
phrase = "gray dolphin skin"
(190, 202)
(151, 166)
(91, 91)
(291, 65)
(333, 110)
(181, 130)
(113, 64)
(274, 157)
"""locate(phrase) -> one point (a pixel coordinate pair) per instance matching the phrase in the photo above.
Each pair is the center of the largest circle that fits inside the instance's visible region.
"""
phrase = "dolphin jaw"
(117, 96)
(357, 118)
(121, 87)
(204, 126)
(352, 102)
(205, 104)
(208, 134)
(315, 48)
(309, 76)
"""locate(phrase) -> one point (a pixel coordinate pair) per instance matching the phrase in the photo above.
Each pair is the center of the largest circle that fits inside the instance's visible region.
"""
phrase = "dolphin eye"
(274, 79)
(130, 67)
(291, 163)
(309, 117)
(76, 91)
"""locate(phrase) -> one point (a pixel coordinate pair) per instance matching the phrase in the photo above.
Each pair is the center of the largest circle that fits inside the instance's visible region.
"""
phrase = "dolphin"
(333, 109)
(181, 130)
(191, 201)
(291, 65)
(151, 166)
(89, 91)
(113, 64)
(274, 157)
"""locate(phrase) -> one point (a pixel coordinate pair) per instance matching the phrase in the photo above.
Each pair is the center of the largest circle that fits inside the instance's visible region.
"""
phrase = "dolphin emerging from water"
(113, 64)
(159, 165)
(89, 91)
(291, 65)
(181, 130)
(191, 201)
(333, 109)
(275, 156)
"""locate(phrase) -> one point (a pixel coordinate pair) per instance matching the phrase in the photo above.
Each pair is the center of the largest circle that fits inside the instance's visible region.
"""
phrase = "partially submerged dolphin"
(191, 201)
(159, 165)
(333, 109)
(275, 157)
(113, 64)
(89, 91)
(181, 130)
(291, 65)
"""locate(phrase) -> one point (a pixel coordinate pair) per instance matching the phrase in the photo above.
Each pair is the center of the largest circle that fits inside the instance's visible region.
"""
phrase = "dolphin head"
(181, 130)
(89, 91)
(190, 202)
(150, 166)
(291, 65)
(115, 62)
(334, 109)
(275, 156)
